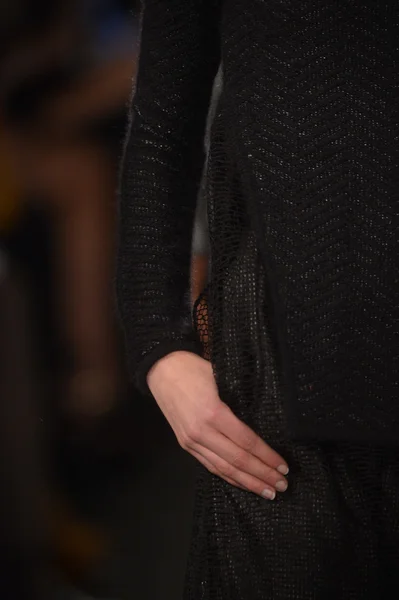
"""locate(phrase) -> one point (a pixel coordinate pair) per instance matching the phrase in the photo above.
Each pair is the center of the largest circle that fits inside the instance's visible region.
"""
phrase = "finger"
(243, 436)
(208, 465)
(242, 460)
(239, 478)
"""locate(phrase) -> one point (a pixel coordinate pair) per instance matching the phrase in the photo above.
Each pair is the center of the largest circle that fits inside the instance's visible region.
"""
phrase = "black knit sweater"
(304, 164)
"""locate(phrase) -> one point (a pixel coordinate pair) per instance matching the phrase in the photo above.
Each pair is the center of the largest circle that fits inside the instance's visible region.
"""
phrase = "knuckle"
(248, 442)
(258, 488)
(213, 414)
(212, 469)
(193, 433)
(219, 408)
(229, 472)
(268, 474)
(254, 485)
(183, 442)
(210, 416)
(187, 441)
(240, 460)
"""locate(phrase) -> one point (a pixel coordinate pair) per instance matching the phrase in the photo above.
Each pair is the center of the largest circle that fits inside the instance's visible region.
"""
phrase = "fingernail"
(281, 486)
(283, 469)
(268, 494)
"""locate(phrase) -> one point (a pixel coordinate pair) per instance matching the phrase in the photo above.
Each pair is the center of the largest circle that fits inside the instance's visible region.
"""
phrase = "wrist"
(164, 368)
(163, 356)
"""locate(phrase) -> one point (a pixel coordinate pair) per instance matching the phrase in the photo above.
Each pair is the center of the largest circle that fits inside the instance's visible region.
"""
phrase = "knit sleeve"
(160, 177)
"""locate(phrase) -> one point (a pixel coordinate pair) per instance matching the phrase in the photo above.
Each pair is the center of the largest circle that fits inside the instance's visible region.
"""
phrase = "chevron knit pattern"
(301, 316)
(311, 118)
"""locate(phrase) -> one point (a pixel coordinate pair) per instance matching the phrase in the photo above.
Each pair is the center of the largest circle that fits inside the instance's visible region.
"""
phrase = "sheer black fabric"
(301, 315)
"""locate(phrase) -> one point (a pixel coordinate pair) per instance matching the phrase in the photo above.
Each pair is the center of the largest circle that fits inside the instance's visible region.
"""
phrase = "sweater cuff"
(161, 350)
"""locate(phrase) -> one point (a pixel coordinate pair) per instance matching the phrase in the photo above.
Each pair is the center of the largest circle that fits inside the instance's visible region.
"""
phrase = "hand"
(184, 387)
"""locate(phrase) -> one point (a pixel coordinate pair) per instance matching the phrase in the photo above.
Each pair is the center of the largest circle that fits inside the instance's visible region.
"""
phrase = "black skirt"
(335, 533)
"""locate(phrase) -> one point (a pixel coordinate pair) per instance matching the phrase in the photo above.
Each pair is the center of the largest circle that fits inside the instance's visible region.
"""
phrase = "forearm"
(160, 177)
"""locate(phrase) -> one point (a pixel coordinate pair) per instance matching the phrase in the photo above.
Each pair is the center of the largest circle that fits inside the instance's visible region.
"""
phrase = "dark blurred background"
(96, 496)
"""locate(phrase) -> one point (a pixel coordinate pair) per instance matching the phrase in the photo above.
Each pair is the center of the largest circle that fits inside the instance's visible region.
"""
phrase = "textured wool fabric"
(334, 535)
(304, 155)
(301, 315)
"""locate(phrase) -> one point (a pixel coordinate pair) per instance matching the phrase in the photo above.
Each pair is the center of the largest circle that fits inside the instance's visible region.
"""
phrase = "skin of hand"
(184, 387)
